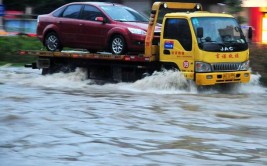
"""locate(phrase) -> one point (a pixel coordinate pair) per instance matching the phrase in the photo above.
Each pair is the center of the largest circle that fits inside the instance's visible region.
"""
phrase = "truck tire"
(118, 45)
(52, 42)
(64, 68)
(45, 71)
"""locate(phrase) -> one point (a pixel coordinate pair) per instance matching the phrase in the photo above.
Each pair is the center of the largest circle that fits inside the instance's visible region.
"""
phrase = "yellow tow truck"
(208, 48)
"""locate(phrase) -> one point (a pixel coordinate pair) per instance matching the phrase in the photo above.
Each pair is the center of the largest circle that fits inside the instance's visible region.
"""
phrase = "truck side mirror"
(250, 33)
(200, 32)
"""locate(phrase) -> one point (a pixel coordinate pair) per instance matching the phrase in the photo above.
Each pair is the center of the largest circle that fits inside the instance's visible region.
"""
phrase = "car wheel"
(118, 45)
(52, 42)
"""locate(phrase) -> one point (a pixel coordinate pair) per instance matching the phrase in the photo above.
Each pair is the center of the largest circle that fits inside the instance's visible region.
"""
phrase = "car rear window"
(58, 12)
(72, 11)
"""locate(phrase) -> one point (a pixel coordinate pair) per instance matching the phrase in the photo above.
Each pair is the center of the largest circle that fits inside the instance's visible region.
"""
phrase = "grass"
(10, 45)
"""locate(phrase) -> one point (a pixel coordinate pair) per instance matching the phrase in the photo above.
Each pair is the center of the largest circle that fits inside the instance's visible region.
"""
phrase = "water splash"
(29, 77)
(254, 86)
(164, 82)
(77, 80)
(173, 82)
(167, 82)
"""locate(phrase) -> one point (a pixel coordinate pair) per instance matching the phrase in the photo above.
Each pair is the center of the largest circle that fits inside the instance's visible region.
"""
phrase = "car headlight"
(137, 31)
(244, 66)
(202, 67)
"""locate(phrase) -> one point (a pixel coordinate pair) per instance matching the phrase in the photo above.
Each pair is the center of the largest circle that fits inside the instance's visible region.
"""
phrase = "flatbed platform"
(87, 55)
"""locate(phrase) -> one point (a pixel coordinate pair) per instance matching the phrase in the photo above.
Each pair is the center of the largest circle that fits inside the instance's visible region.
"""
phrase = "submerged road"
(68, 120)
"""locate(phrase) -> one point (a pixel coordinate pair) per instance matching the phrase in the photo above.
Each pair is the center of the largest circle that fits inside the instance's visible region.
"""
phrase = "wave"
(164, 82)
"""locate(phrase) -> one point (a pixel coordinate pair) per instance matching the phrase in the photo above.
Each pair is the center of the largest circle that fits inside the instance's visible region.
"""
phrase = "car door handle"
(80, 24)
(59, 22)
(167, 52)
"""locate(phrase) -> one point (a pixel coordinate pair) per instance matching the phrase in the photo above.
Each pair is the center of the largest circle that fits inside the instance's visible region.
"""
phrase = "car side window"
(90, 13)
(72, 11)
(178, 29)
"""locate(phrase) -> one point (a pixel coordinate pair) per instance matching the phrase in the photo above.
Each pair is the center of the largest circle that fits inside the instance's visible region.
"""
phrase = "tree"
(42, 6)
(39, 6)
(234, 8)
(47, 6)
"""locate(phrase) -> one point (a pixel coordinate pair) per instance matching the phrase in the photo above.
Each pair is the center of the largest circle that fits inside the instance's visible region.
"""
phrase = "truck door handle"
(167, 52)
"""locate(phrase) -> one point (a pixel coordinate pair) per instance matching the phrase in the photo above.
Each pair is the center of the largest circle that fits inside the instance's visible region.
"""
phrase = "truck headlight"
(202, 67)
(244, 66)
(137, 31)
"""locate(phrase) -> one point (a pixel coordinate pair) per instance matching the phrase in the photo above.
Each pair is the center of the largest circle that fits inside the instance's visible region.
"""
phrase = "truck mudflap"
(222, 77)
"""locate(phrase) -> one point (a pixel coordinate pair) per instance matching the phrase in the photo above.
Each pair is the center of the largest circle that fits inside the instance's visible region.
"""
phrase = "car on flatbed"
(95, 26)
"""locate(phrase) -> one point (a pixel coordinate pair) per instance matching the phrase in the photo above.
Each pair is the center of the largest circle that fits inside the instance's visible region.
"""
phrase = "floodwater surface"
(68, 120)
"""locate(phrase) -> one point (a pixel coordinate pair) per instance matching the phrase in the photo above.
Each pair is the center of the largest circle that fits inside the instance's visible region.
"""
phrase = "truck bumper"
(222, 77)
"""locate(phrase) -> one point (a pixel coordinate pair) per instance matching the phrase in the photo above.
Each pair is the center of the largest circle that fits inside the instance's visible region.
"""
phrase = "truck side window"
(178, 29)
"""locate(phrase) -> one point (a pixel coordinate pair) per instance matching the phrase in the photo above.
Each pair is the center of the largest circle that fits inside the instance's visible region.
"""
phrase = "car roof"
(97, 3)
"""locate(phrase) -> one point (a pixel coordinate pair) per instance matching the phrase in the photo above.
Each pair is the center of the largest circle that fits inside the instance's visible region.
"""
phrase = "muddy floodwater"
(68, 120)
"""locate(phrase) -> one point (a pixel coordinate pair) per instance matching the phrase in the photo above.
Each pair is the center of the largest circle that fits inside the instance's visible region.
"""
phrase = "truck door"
(176, 44)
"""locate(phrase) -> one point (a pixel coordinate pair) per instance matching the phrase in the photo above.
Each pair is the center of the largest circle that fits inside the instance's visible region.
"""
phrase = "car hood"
(140, 25)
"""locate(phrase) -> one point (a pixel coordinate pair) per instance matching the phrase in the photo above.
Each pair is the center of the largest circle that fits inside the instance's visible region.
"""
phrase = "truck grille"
(225, 66)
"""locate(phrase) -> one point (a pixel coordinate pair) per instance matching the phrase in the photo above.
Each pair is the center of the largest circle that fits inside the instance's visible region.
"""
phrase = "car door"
(68, 24)
(92, 33)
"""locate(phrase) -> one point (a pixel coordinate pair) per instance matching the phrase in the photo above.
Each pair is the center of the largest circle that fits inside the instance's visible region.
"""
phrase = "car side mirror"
(250, 33)
(200, 32)
(100, 19)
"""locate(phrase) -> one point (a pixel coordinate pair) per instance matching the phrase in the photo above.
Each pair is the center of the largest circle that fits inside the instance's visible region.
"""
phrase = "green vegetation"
(10, 45)
(41, 6)
(234, 8)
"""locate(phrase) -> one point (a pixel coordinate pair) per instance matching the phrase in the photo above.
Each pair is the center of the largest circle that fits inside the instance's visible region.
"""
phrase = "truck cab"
(209, 48)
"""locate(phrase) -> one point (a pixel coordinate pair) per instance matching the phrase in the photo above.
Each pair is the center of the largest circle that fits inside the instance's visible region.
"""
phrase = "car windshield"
(219, 32)
(124, 14)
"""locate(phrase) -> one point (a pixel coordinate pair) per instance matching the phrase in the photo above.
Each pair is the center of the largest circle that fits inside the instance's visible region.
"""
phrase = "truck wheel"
(45, 71)
(52, 42)
(58, 68)
(118, 45)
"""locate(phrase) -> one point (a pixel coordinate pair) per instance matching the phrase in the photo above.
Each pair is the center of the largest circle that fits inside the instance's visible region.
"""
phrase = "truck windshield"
(219, 34)
(124, 14)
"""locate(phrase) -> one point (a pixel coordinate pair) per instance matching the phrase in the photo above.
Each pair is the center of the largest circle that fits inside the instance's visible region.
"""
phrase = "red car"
(95, 26)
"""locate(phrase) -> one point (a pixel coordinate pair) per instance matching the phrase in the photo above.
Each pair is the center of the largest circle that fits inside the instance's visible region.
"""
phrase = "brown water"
(64, 119)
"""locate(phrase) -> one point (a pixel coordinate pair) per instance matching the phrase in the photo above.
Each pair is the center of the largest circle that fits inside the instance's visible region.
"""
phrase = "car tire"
(118, 45)
(52, 42)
